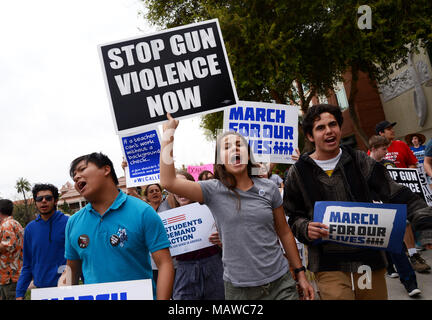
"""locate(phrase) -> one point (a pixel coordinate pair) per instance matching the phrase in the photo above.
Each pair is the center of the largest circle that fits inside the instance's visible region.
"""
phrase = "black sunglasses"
(47, 198)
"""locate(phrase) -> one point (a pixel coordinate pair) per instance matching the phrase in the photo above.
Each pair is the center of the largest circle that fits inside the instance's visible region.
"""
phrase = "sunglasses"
(47, 198)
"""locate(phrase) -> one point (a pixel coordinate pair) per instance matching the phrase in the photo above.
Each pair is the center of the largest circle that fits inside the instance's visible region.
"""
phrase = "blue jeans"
(403, 266)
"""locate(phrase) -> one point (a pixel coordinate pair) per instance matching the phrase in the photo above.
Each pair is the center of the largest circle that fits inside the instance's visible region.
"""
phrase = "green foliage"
(289, 51)
(24, 215)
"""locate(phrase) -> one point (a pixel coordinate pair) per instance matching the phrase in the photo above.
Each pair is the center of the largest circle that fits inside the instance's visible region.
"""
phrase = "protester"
(111, 237)
(131, 191)
(416, 143)
(428, 159)
(205, 175)
(398, 151)
(199, 273)
(378, 149)
(44, 240)
(403, 157)
(249, 216)
(337, 173)
(11, 246)
(153, 195)
(275, 177)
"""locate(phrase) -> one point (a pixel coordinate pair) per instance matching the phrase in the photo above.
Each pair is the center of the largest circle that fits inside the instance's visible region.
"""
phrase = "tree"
(291, 51)
(22, 186)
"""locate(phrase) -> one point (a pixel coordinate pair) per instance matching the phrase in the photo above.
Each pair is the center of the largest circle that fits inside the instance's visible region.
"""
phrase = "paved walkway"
(396, 290)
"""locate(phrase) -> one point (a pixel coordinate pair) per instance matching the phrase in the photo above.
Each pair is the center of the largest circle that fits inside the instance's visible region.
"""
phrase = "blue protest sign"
(142, 151)
(271, 129)
(372, 225)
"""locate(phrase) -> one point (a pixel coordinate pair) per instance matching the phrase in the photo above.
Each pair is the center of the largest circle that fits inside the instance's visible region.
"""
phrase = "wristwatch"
(302, 268)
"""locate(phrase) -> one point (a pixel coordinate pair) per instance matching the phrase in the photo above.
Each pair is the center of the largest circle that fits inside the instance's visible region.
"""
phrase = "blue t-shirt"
(419, 153)
(115, 246)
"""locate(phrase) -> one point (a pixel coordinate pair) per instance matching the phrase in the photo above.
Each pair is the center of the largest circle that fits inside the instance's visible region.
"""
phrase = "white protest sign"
(271, 129)
(183, 71)
(188, 227)
(142, 152)
(121, 290)
(371, 225)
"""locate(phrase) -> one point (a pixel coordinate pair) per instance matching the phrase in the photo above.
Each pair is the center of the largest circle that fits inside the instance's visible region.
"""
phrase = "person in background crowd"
(11, 250)
(249, 216)
(116, 228)
(333, 172)
(398, 151)
(44, 240)
(275, 177)
(205, 175)
(416, 143)
(428, 159)
(403, 157)
(199, 273)
(378, 149)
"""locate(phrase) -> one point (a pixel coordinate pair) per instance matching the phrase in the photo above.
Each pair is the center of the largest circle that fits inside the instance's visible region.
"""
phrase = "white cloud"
(53, 101)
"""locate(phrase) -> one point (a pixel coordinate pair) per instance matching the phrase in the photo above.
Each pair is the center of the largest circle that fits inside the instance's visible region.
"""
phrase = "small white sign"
(188, 227)
(121, 290)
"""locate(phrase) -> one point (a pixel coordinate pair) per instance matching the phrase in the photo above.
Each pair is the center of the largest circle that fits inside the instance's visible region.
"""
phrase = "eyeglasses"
(47, 198)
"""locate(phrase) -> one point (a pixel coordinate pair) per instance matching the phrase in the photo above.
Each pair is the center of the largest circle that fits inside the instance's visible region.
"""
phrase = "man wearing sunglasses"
(44, 240)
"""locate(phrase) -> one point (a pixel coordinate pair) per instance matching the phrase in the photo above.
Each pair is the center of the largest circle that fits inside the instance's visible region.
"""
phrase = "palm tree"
(22, 186)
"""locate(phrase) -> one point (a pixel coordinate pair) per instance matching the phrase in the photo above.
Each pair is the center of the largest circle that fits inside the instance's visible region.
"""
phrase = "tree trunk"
(351, 107)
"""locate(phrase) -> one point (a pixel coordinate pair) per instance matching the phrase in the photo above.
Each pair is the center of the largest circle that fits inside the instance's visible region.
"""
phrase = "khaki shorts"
(338, 285)
(283, 288)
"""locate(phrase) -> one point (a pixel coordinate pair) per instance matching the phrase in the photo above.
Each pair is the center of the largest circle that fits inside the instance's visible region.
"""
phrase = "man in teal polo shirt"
(111, 237)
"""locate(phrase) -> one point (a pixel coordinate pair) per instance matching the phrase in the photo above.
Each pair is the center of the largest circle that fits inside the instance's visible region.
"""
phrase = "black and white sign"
(183, 71)
(409, 178)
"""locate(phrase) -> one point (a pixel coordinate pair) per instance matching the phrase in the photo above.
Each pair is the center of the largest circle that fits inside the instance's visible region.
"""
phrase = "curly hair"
(314, 112)
(45, 186)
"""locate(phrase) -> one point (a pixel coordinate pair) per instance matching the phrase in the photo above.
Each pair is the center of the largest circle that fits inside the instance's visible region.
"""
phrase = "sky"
(53, 101)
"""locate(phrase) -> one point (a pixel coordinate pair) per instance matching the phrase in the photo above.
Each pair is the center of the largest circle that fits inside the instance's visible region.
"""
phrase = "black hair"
(45, 186)
(148, 186)
(6, 207)
(314, 112)
(97, 158)
(204, 174)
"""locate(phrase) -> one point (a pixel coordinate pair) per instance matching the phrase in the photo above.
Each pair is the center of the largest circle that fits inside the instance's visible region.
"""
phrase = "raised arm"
(168, 179)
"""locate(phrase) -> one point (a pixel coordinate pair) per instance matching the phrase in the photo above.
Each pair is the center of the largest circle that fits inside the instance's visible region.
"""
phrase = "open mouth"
(235, 159)
(330, 140)
(80, 185)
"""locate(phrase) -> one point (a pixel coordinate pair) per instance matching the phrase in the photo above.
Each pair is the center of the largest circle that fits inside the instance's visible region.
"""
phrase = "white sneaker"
(414, 292)
(393, 275)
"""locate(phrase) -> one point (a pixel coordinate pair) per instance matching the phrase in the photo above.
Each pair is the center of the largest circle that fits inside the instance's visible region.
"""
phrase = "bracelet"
(298, 270)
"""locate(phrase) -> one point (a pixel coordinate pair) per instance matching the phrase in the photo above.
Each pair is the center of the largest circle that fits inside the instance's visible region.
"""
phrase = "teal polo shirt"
(115, 246)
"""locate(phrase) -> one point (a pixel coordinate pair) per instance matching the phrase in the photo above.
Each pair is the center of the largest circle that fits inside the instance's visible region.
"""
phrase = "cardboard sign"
(196, 170)
(372, 225)
(188, 227)
(271, 129)
(142, 152)
(121, 290)
(408, 178)
(183, 71)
